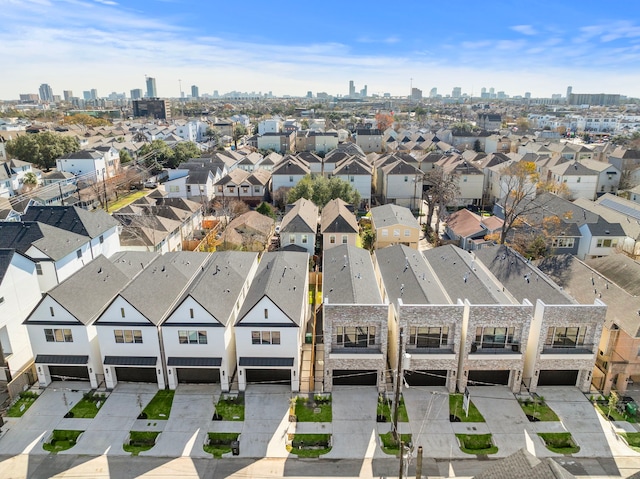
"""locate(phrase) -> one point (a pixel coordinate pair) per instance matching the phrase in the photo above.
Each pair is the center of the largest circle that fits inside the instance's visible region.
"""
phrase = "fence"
(22, 380)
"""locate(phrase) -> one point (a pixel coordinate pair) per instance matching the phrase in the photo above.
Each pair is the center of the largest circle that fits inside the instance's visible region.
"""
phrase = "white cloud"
(524, 29)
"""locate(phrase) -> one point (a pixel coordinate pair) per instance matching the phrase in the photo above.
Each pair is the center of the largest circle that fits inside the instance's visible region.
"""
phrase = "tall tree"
(442, 189)
(182, 152)
(518, 186)
(320, 191)
(384, 121)
(238, 132)
(42, 149)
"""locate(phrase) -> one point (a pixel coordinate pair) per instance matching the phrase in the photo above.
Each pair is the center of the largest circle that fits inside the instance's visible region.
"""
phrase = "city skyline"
(541, 49)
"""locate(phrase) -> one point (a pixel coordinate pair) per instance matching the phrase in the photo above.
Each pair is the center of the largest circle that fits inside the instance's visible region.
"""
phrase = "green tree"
(157, 153)
(213, 136)
(320, 191)
(182, 152)
(42, 149)
(304, 124)
(477, 146)
(238, 132)
(30, 180)
(125, 157)
(266, 209)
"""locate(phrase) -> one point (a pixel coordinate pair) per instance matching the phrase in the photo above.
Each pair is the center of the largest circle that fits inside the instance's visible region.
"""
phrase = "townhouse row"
(235, 318)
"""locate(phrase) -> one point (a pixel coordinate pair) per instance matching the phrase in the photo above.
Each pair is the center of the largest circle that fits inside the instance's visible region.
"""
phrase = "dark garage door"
(137, 375)
(488, 378)
(269, 376)
(69, 373)
(198, 375)
(426, 378)
(562, 377)
(346, 377)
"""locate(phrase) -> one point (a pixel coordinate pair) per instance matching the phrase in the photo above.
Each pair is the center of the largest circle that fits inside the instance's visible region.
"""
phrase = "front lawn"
(390, 445)
(476, 444)
(140, 441)
(220, 443)
(455, 409)
(126, 200)
(160, 405)
(61, 440)
(560, 442)
(385, 410)
(309, 445)
(613, 414)
(317, 409)
(633, 439)
(88, 406)
(538, 410)
(23, 404)
(231, 408)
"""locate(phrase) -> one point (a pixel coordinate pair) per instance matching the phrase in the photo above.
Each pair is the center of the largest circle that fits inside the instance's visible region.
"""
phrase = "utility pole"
(419, 464)
(396, 400)
(401, 460)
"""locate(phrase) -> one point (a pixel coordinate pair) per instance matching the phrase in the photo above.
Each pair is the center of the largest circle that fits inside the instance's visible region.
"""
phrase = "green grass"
(231, 408)
(633, 439)
(309, 445)
(560, 442)
(220, 443)
(126, 200)
(455, 409)
(389, 444)
(384, 409)
(604, 409)
(476, 444)
(160, 405)
(305, 410)
(87, 407)
(140, 441)
(27, 398)
(61, 440)
(540, 411)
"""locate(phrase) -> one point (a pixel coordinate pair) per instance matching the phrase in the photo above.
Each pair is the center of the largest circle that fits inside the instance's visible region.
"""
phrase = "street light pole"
(396, 400)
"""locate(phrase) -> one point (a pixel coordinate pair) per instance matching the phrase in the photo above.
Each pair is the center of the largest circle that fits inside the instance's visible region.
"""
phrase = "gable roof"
(524, 465)
(54, 242)
(388, 215)
(348, 276)
(302, 218)
(281, 278)
(73, 219)
(336, 217)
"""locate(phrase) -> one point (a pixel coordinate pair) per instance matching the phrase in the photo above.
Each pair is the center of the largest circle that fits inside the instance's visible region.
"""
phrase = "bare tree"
(518, 185)
(442, 190)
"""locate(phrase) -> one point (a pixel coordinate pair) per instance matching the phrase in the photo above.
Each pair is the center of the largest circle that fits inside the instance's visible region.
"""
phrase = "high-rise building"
(363, 92)
(46, 92)
(195, 91)
(527, 95)
(136, 93)
(94, 94)
(68, 95)
(309, 94)
(352, 89)
(154, 108)
(457, 92)
(28, 97)
(152, 92)
(86, 95)
(569, 91)
(433, 92)
(416, 94)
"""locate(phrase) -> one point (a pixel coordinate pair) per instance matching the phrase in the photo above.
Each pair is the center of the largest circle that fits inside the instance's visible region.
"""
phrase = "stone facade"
(372, 358)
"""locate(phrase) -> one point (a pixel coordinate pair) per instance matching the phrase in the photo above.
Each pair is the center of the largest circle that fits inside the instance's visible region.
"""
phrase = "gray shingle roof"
(72, 218)
(524, 465)
(348, 276)
(388, 215)
(302, 218)
(54, 242)
(337, 218)
(281, 277)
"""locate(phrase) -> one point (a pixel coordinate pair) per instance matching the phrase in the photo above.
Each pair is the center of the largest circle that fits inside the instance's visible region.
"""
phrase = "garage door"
(347, 377)
(562, 377)
(269, 376)
(426, 378)
(137, 375)
(69, 373)
(198, 375)
(488, 378)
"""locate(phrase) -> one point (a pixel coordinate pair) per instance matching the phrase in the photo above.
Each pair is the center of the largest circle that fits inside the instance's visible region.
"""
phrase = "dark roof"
(524, 465)
(388, 215)
(336, 217)
(603, 228)
(198, 176)
(521, 278)
(130, 360)
(61, 359)
(302, 218)
(194, 362)
(54, 242)
(73, 219)
(348, 276)
(265, 362)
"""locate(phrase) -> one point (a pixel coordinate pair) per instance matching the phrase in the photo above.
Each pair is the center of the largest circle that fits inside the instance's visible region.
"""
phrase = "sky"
(537, 46)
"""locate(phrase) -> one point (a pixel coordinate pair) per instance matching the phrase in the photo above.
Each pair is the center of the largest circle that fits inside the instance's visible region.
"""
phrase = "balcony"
(502, 348)
(568, 349)
(443, 349)
(360, 351)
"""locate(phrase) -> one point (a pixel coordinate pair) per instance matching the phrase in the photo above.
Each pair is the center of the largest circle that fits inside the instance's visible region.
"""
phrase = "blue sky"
(289, 48)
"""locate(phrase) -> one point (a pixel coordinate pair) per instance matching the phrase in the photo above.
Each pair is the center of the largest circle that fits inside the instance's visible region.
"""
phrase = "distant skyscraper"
(136, 93)
(527, 95)
(195, 91)
(569, 91)
(86, 95)
(363, 92)
(352, 89)
(68, 94)
(416, 94)
(309, 94)
(46, 92)
(457, 92)
(152, 92)
(94, 94)
(433, 93)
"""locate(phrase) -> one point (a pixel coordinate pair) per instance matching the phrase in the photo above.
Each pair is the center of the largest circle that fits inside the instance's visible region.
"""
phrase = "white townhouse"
(98, 163)
(62, 336)
(19, 293)
(198, 335)
(272, 321)
(127, 329)
(299, 226)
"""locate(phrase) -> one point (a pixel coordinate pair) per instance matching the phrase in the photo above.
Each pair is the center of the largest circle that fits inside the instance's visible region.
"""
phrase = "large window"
(565, 337)
(428, 337)
(265, 337)
(563, 242)
(192, 337)
(58, 335)
(490, 337)
(356, 336)
(128, 335)
(607, 243)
